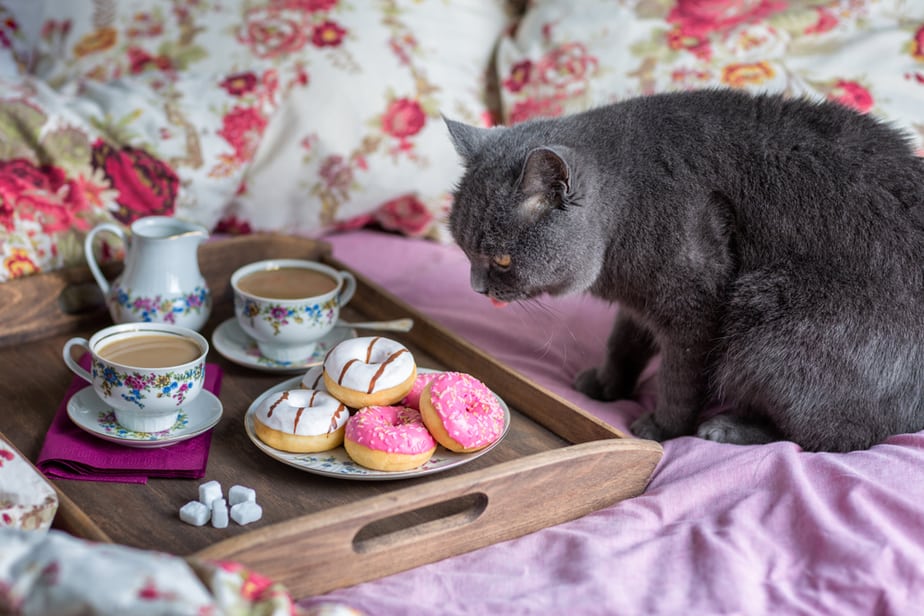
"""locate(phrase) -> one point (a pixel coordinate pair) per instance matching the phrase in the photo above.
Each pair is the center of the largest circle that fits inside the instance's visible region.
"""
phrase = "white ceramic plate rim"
(323, 462)
(203, 413)
(228, 339)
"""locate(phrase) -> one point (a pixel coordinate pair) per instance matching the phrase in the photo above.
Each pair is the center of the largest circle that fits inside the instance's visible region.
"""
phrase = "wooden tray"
(317, 533)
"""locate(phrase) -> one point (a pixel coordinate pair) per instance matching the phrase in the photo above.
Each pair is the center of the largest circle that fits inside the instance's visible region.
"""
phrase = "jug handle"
(91, 257)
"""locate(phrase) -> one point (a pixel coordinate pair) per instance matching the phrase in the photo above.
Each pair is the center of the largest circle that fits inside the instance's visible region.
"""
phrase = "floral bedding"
(315, 115)
(319, 115)
(297, 115)
(866, 54)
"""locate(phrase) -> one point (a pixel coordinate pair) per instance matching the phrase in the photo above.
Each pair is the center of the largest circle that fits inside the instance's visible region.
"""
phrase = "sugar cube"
(246, 512)
(241, 494)
(219, 513)
(208, 492)
(194, 513)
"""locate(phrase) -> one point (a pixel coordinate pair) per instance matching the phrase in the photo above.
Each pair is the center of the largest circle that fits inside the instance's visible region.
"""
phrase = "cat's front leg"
(682, 393)
(629, 348)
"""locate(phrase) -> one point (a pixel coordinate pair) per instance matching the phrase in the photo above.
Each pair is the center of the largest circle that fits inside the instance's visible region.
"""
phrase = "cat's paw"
(646, 427)
(726, 428)
(590, 384)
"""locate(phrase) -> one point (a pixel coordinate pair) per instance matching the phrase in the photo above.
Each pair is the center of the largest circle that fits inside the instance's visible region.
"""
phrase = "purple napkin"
(71, 453)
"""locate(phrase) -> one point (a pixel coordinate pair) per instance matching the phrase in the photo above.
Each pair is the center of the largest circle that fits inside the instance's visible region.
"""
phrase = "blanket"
(721, 529)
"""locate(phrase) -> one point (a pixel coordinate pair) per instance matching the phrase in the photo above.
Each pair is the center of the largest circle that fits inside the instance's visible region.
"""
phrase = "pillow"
(359, 137)
(114, 152)
(565, 57)
(142, 141)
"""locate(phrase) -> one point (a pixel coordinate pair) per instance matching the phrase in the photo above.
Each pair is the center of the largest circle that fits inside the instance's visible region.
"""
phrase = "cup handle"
(349, 287)
(91, 257)
(71, 362)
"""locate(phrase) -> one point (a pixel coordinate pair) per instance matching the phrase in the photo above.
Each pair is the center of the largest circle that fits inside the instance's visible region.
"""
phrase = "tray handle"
(430, 521)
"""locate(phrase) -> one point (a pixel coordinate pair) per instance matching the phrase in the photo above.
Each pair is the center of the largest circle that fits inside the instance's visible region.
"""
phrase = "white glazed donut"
(301, 421)
(371, 371)
(314, 379)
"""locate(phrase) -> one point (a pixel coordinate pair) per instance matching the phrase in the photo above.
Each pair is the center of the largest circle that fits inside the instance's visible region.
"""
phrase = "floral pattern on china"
(159, 308)
(141, 387)
(108, 423)
(278, 315)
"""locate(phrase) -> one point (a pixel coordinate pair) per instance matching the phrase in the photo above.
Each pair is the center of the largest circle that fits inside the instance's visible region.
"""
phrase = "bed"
(721, 529)
(321, 118)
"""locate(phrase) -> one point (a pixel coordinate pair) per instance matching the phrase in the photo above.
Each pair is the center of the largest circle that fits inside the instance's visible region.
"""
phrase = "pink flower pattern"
(46, 205)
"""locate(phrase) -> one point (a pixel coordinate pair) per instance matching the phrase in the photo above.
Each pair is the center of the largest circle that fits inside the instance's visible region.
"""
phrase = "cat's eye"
(502, 261)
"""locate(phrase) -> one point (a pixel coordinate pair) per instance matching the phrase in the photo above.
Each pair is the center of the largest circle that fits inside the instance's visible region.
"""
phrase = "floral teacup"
(145, 372)
(287, 305)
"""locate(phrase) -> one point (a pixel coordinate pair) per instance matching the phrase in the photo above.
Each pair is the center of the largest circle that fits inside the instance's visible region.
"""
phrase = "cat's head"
(521, 215)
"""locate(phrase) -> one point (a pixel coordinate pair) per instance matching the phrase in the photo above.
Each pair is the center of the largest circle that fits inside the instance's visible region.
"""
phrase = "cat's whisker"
(538, 306)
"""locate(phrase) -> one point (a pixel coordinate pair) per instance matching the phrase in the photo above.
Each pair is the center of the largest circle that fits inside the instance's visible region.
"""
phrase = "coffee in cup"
(287, 283)
(145, 372)
(287, 305)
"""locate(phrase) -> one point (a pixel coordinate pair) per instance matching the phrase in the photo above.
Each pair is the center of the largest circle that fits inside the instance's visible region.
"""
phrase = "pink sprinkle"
(470, 412)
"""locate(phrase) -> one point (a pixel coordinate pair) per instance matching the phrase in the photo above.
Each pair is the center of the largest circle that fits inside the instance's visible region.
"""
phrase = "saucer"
(231, 341)
(92, 415)
(337, 462)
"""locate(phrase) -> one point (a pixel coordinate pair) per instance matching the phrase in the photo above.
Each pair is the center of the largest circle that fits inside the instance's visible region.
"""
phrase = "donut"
(461, 412)
(314, 379)
(301, 421)
(412, 399)
(372, 371)
(388, 438)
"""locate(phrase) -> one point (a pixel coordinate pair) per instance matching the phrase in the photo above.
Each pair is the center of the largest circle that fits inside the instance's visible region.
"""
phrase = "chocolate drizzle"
(381, 369)
(282, 398)
(368, 361)
(343, 372)
(334, 418)
(369, 350)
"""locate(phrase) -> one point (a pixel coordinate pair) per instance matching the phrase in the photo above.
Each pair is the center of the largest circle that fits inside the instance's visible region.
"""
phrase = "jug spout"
(164, 227)
(197, 235)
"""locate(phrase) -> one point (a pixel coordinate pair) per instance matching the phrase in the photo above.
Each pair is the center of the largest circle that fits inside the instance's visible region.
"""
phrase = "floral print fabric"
(103, 123)
(307, 116)
(54, 573)
(124, 109)
(866, 54)
(27, 500)
(361, 139)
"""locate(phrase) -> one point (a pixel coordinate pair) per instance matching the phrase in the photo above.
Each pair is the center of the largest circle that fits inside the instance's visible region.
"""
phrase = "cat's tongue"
(498, 303)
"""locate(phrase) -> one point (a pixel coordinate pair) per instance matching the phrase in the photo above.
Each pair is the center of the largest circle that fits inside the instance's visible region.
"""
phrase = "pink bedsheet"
(722, 529)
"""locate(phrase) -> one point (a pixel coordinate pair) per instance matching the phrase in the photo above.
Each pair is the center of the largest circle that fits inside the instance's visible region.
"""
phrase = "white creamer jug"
(161, 281)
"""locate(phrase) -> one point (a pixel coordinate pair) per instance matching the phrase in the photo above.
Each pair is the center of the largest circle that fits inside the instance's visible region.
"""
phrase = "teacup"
(145, 372)
(288, 305)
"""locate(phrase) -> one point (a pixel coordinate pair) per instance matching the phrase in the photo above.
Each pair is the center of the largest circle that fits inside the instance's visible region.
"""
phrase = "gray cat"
(770, 249)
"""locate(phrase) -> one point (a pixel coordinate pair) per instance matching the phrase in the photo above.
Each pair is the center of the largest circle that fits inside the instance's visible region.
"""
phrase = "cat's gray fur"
(772, 251)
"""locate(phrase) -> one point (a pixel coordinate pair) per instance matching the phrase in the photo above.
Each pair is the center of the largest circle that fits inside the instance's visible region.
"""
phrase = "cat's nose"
(479, 281)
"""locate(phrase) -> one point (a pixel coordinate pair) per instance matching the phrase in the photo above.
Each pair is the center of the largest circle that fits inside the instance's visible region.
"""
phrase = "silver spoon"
(398, 325)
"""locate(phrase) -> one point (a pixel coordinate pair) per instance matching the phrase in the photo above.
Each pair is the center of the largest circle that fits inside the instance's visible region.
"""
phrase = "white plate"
(337, 463)
(231, 341)
(92, 415)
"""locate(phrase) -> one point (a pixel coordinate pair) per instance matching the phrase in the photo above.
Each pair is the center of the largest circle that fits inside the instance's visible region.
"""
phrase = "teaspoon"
(397, 325)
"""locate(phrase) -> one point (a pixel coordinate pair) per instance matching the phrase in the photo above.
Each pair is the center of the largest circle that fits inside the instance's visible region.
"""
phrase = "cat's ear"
(468, 140)
(545, 180)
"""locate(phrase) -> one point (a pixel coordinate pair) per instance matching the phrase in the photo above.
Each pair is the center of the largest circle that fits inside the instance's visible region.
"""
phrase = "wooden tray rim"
(592, 436)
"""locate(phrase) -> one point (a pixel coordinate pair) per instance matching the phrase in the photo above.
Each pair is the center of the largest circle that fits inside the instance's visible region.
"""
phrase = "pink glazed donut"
(388, 438)
(461, 412)
(412, 399)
